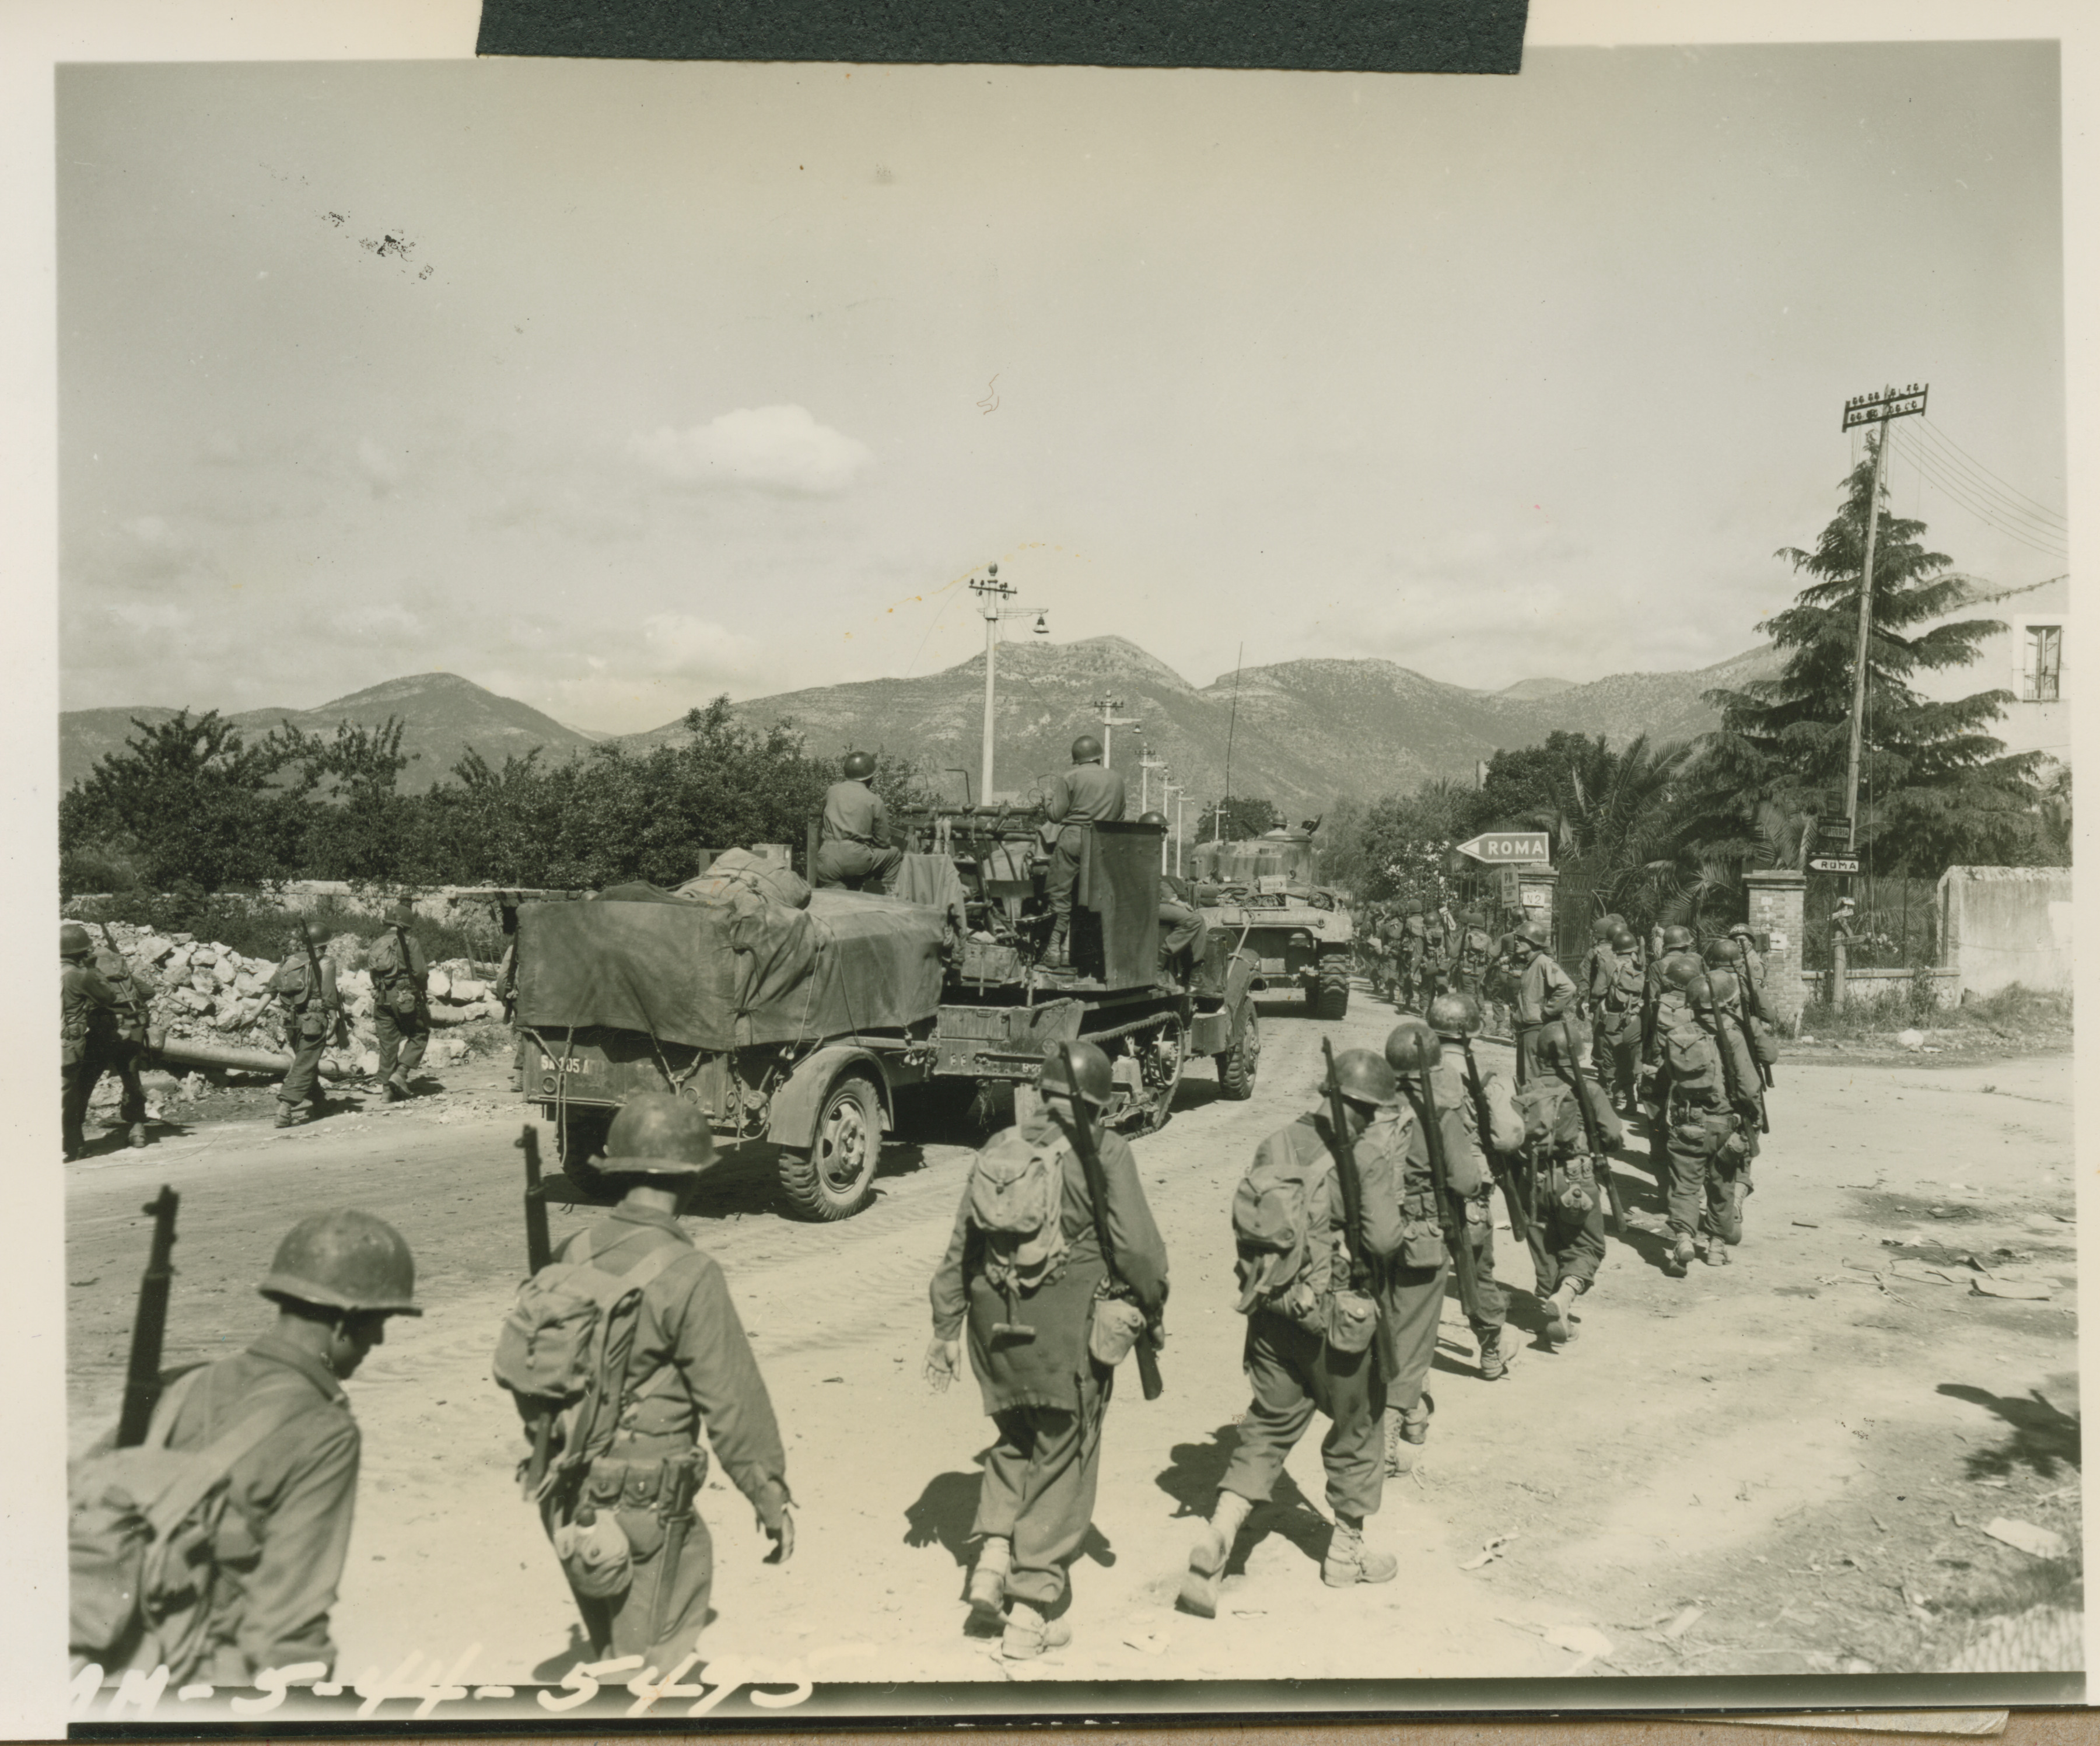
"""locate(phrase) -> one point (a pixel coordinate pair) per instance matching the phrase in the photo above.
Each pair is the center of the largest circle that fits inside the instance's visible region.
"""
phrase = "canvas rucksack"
(143, 1527)
(564, 1346)
(1017, 1199)
(1283, 1264)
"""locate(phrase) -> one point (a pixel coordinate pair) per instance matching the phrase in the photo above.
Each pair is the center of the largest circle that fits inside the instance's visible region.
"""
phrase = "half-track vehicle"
(1262, 893)
(795, 1018)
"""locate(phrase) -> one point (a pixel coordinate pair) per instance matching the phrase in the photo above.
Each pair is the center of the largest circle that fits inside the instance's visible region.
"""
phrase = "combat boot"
(1560, 1315)
(1414, 1421)
(293, 1115)
(1495, 1355)
(1029, 1633)
(137, 1136)
(1056, 955)
(1679, 1261)
(988, 1592)
(1206, 1563)
(1716, 1251)
(1349, 1561)
(396, 1092)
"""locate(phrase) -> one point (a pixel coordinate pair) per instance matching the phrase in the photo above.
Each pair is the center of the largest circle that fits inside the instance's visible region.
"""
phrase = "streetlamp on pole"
(995, 601)
(1176, 789)
(1107, 707)
(1146, 765)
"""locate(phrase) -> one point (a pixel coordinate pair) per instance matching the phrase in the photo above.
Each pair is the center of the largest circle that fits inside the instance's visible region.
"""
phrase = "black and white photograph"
(1030, 890)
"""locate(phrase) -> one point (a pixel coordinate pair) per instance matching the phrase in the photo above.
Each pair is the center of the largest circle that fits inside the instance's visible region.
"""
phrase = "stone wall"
(2002, 925)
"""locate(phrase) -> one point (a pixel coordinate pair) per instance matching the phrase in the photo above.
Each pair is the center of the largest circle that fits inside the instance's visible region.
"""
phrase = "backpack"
(1628, 983)
(143, 1524)
(564, 1344)
(1017, 1199)
(1281, 1263)
(291, 982)
(1474, 947)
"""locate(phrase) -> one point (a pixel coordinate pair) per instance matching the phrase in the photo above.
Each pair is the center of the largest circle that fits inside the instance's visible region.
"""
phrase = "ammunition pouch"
(401, 999)
(1421, 1241)
(1572, 1185)
(596, 1554)
(1352, 1318)
(312, 1025)
(1115, 1327)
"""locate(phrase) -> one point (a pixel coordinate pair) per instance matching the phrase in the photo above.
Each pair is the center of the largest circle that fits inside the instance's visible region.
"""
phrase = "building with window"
(2027, 658)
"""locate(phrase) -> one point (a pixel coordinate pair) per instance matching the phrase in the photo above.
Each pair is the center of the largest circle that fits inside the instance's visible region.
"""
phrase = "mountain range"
(1301, 733)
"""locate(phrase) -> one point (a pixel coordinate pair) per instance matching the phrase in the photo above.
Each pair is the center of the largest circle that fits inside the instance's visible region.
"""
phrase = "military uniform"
(1703, 1135)
(88, 1018)
(1411, 1301)
(852, 843)
(1616, 988)
(1184, 934)
(691, 1370)
(1087, 794)
(401, 1007)
(1544, 993)
(310, 1011)
(1474, 951)
(1566, 1198)
(1048, 1396)
(130, 1043)
(1487, 1305)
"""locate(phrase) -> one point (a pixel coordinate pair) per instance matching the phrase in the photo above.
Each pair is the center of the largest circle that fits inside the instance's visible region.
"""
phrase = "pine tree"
(1935, 786)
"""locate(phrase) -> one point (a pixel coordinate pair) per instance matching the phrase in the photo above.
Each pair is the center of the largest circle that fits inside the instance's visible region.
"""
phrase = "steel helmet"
(658, 1135)
(1156, 819)
(1600, 929)
(1551, 1044)
(1455, 1014)
(405, 913)
(1615, 920)
(346, 1260)
(1086, 749)
(1676, 937)
(1366, 1078)
(1741, 930)
(73, 942)
(1413, 1047)
(1470, 918)
(1063, 1063)
(858, 765)
(1723, 950)
(1532, 933)
(1680, 969)
(1725, 986)
(1700, 991)
(1622, 938)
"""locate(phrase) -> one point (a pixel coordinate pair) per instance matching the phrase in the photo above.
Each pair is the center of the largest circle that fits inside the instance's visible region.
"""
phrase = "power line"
(2027, 536)
(1996, 502)
(1978, 466)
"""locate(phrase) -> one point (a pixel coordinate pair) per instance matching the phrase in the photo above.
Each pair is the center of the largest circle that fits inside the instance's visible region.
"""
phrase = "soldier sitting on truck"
(1184, 934)
(854, 848)
(1086, 795)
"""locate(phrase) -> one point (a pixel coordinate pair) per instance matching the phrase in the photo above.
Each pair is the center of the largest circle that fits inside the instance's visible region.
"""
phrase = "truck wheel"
(583, 1140)
(834, 1176)
(1237, 1066)
(1330, 1000)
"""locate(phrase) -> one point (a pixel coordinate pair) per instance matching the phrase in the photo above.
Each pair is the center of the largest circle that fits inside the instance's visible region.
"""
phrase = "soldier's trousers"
(1039, 1480)
(1184, 936)
(1700, 1184)
(625, 1623)
(1064, 872)
(853, 866)
(302, 1082)
(77, 1084)
(1567, 1245)
(1293, 1375)
(403, 1038)
(1618, 1054)
(1410, 1309)
(1487, 1305)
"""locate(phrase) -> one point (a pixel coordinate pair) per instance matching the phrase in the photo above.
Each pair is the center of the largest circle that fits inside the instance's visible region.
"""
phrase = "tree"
(1935, 786)
(1246, 816)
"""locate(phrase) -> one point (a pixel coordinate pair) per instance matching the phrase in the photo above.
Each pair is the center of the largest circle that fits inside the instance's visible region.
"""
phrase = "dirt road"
(1799, 1452)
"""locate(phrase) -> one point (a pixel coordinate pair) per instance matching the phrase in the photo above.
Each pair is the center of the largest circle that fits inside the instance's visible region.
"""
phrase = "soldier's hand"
(944, 1362)
(782, 1537)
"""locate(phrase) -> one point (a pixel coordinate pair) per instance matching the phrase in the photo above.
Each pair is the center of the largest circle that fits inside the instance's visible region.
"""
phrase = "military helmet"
(404, 913)
(1063, 1063)
(346, 1260)
(1615, 920)
(1551, 1044)
(1725, 986)
(1723, 950)
(1676, 937)
(1700, 991)
(1622, 938)
(1365, 1078)
(1085, 749)
(1157, 818)
(73, 940)
(1413, 1047)
(1532, 933)
(1470, 918)
(858, 765)
(658, 1135)
(1742, 930)
(1455, 1013)
(1600, 929)
(1680, 969)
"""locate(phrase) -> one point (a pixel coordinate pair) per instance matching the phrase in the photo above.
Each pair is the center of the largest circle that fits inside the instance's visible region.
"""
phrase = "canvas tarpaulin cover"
(729, 974)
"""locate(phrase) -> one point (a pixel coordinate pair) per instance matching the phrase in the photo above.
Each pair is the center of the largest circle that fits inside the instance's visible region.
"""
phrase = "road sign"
(1834, 864)
(1508, 848)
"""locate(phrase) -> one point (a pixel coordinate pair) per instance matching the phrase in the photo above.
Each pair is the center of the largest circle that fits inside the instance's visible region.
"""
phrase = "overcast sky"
(615, 387)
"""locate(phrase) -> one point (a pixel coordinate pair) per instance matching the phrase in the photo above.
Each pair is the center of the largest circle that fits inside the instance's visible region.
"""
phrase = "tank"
(1264, 894)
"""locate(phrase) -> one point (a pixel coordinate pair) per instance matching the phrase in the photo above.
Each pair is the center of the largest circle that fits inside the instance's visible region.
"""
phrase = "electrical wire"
(1943, 438)
(1993, 509)
(2028, 535)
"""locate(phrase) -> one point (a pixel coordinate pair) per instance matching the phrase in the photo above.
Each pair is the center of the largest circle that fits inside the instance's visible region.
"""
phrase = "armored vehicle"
(1263, 894)
(795, 1018)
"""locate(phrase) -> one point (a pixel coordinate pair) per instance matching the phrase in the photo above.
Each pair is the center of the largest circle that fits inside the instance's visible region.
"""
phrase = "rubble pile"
(199, 990)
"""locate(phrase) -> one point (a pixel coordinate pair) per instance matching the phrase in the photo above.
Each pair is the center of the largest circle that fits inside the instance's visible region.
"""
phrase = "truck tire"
(1331, 999)
(833, 1177)
(582, 1141)
(1237, 1065)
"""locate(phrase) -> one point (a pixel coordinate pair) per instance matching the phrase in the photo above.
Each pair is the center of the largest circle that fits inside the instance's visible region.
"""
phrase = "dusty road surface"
(1785, 1464)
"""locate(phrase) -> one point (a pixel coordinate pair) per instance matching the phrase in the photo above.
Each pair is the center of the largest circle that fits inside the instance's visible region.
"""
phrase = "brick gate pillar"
(1536, 887)
(1777, 898)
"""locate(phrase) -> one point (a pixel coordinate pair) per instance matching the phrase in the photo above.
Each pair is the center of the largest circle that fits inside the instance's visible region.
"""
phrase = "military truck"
(1262, 893)
(796, 1018)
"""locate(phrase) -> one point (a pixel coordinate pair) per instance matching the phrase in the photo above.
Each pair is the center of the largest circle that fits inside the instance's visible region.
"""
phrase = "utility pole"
(1146, 765)
(1869, 409)
(996, 601)
(1175, 789)
(1106, 708)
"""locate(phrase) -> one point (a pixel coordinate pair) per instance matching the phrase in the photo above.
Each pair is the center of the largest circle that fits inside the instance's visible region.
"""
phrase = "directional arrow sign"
(1834, 864)
(1507, 848)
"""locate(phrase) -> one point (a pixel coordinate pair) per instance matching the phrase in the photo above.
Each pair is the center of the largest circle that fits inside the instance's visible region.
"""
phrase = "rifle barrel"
(149, 1328)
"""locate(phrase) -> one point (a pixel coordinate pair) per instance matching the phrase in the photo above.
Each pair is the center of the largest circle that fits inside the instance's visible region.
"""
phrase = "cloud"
(772, 448)
(677, 645)
(384, 624)
(381, 471)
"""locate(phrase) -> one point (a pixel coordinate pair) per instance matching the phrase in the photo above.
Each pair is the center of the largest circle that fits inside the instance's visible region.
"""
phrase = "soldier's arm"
(419, 964)
(722, 1375)
(1140, 1256)
(949, 1293)
(1057, 799)
(306, 1539)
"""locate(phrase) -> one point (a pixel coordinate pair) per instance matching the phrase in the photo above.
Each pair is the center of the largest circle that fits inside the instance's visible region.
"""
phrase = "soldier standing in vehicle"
(1086, 795)
(1023, 1269)
(400, 1002)
(1292, 1361)
(1184, 934)
(88, 1018)
(281, 1544)
(853, 850)
(1455, 1017)
(312, 1010)
(1544, 992)
(688, 1369)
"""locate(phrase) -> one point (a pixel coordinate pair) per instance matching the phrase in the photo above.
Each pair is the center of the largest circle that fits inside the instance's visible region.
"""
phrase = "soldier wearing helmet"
(1184, 934)
(1751, 968)
(336, 1279)
(312, 1008)
(689, 1370)
(1702, 1134)
(1456, 1077)
(400, 1002)
(853, 850)
(1292, 1291)
(1473, 949)
(1616, 995)
(1085, 795)
(1544, 991)
(1566, 1137)
(89, 1014)
(1026, 1286)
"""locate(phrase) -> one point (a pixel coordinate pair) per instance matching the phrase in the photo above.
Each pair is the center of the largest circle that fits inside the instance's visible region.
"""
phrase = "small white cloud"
(679, 644)
(773, 447)
(383, 625)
